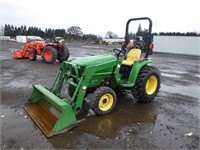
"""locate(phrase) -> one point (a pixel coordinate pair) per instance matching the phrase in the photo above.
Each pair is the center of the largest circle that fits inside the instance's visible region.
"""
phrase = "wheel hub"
(106, 102)
(47, 54)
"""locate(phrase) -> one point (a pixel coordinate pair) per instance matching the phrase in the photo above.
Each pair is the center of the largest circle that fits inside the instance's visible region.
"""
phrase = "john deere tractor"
(94, 80)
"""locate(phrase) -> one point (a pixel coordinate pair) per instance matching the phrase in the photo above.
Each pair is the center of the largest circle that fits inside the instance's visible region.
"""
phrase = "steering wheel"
(118, 52)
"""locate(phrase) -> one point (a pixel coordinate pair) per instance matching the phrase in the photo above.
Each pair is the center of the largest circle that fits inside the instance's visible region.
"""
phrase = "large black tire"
(32, 55)
(49, 54)
(147, 84)
(102, 100)
(64, 55)
(71, 89)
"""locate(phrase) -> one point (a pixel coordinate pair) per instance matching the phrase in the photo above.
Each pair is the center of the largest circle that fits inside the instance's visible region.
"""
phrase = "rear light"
(150, 45)
(123, 43)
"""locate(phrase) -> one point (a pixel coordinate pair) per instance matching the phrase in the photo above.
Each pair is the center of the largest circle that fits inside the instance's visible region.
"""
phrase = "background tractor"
(94, 80)
(50, 51)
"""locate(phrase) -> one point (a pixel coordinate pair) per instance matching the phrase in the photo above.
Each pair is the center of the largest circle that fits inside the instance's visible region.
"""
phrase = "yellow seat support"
(133, 54)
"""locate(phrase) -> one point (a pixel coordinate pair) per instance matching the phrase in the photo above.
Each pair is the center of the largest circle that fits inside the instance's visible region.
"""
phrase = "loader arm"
(22, 53)
(70, 73)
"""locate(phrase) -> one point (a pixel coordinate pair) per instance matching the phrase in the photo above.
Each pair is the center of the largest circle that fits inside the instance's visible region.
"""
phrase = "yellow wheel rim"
(151, 85)
(106, 102)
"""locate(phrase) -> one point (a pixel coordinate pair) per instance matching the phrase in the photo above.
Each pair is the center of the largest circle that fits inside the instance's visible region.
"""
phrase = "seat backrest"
(133, 54)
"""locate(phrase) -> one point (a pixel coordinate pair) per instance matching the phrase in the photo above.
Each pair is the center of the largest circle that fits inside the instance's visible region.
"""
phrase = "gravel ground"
(171, 121)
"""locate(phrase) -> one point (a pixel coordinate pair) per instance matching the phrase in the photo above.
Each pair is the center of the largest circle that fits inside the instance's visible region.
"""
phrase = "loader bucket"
(52, 114)
(19, 54)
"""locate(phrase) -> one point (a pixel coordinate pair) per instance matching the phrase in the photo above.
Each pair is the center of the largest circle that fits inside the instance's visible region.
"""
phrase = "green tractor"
(94, 80)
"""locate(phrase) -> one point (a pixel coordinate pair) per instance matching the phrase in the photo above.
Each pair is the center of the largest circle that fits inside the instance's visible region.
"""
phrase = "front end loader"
(95, 80)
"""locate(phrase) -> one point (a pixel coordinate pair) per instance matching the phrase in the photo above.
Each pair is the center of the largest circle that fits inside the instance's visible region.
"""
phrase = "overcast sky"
(100, 16)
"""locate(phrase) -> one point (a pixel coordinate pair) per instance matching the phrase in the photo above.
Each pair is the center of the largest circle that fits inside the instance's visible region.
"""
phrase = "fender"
(137, 66)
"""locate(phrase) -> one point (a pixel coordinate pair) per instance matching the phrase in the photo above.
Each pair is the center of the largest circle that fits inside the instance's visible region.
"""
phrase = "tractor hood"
(94, 60)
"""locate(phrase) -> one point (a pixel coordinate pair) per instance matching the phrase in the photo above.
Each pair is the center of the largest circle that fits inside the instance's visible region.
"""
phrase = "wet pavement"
(171, 121)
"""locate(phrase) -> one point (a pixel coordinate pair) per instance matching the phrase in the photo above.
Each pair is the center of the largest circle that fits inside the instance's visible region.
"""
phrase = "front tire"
(49, 54)
(71, 89)
(147, 84)
(102, 100)
(32, 55)
(64, 55)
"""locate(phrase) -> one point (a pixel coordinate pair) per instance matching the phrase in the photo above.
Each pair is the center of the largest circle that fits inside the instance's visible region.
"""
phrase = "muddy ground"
(171, 121)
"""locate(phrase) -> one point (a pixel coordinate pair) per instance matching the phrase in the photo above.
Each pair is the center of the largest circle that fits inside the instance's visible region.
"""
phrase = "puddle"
(197, 75)
(14, 49)
(179, 72)
(173, 71)
(8, 115)
(21, 83)
(6, 76)
(127, 113)
(18, 130)
(97, 47)
(170, 75)
(189, 90)
(2, 56)
(107, 126)
(5, 56)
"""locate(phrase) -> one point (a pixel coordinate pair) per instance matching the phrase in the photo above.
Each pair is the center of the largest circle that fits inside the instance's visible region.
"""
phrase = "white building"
(189, 45)
(21, 38)
(110, 41)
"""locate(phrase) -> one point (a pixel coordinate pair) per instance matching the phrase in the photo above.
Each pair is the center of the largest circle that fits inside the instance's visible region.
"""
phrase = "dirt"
(171, 121)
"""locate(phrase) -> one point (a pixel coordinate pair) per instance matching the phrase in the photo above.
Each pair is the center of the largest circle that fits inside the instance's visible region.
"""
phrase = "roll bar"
(148, 39)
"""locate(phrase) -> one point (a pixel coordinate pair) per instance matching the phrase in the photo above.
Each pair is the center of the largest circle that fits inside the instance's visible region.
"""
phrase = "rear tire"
(49, 54)
(102, 100)
(64, 55)
(147, 84)
(32, 55)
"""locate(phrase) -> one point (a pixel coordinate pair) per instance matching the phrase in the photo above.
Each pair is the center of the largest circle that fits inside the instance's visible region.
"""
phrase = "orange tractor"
(50, 51)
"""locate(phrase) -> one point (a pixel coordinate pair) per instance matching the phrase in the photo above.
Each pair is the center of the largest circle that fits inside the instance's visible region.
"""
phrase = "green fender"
(137, 66)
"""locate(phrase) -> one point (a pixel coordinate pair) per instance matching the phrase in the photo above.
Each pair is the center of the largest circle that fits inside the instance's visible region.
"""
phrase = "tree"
(35, 31)
(100, 38)
(25, 31)
(179, 34)
(7, 30)
(111, 35)
(142, 32)
(139, 30)
(60, 32)
(155, 33)
(192, 34)
(75, 30)
(89, 36)
(30, 31)
(41, 33)
(12, 30)
(132, 35)
(74, 33)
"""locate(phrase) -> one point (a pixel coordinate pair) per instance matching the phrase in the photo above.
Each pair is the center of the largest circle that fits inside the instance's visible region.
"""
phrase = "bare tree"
(111, 35)
(75, 30)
